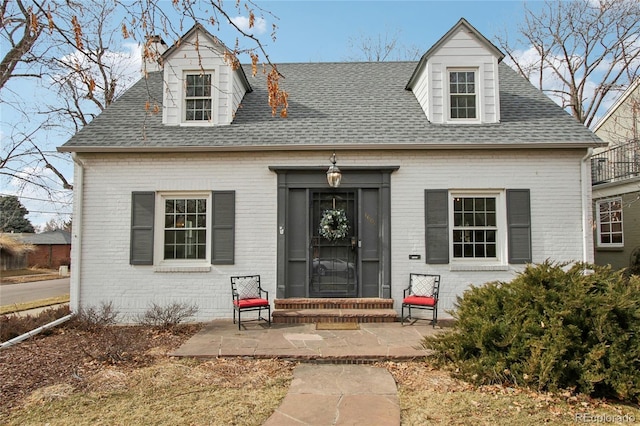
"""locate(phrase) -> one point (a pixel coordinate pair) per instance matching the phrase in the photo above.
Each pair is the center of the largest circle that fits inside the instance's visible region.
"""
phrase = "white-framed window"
(609, 222)
(478, 227)
(198, 97)
(463, 94)
(184, 229)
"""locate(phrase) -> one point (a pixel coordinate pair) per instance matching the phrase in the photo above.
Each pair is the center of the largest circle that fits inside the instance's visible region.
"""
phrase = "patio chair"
(249, 296)
(422, 293)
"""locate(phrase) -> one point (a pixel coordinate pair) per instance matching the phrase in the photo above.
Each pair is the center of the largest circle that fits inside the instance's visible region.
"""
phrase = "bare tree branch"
(585, 50)
(74, 49)
(11, 24)
(381, 47)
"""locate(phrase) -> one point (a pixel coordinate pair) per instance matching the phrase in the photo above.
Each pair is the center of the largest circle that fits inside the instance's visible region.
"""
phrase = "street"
(27, 292)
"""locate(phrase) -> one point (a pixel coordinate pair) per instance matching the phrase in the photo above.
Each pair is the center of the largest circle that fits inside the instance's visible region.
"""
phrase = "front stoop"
(310, 310)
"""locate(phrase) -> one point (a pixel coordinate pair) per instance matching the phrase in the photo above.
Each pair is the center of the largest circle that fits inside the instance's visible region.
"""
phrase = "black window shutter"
(223, 214)
(519, 225)
(436, 214)
(142, 219)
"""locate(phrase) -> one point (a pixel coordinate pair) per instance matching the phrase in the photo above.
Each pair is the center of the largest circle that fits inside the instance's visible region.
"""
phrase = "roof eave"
(324, 147)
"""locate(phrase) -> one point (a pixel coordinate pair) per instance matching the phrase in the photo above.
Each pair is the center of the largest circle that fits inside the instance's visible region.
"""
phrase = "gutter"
(38, 330)
(76, 238)
(324, 147)
(587, 232)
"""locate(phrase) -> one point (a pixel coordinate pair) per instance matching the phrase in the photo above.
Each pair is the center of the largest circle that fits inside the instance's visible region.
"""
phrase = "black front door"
(334, 244)
(356, 264)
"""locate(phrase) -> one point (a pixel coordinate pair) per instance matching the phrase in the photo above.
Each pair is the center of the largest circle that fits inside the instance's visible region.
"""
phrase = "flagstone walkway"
(332, 385)
(339, 395)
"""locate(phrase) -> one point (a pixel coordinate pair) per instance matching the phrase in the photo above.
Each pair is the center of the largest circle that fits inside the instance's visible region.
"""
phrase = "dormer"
(456, 81)
(201, 87)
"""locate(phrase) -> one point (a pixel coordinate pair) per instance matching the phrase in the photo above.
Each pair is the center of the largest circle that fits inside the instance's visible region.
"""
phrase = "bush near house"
(13, 253)
(551, 328)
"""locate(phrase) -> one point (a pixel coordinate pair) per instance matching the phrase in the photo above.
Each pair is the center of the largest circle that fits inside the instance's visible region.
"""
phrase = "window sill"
(472, 267)
(203, 123)
(182, 268)
(463, 121)
(610, 248)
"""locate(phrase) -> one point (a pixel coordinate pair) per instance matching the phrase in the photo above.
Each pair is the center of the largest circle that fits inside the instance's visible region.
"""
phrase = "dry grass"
(246, 392)
(170, 392)
(60, 379)
(433, 397)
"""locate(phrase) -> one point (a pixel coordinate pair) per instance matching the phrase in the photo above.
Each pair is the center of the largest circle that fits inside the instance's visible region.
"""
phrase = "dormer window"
(457, 79)
(201, 89)
(462, 95)
(198, 99)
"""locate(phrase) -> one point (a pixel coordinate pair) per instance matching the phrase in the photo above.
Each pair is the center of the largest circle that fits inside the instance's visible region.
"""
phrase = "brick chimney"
(151, 54)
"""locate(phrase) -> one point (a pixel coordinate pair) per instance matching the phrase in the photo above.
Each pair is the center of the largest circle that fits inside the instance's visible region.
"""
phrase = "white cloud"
(529, 61)
(259, 25)
(125, 65)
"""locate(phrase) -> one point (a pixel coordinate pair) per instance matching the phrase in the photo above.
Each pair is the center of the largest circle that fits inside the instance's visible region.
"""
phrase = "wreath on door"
(334, 224)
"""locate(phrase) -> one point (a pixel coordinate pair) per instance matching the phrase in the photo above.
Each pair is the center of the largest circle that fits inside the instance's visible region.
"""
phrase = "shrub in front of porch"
(553, 327)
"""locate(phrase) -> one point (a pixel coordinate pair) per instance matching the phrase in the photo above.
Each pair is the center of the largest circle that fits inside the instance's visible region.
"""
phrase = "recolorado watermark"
(604, 418)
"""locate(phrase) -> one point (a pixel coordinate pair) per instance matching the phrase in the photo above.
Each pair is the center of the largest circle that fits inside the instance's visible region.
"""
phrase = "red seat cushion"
(420, 300)
(250, 303)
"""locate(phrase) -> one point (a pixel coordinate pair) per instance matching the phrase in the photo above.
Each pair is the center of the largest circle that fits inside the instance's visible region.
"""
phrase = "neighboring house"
(52, 249)
(453, 165)
(616, 183)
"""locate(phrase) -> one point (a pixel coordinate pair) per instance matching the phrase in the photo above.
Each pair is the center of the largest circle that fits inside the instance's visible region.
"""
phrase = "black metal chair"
(248, 295)
(422, 293)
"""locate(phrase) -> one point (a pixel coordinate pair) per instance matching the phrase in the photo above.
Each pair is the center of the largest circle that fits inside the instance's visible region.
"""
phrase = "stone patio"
(303, 342)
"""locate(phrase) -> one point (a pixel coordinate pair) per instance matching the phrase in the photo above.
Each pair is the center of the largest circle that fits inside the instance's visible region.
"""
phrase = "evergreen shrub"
(553, 327)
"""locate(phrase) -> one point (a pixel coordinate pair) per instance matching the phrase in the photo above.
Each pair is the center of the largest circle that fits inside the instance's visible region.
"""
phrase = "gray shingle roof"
(334, 106)
(59, 236)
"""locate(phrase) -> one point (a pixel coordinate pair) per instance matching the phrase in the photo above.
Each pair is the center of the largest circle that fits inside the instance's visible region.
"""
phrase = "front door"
(336, 262)
(334, 244)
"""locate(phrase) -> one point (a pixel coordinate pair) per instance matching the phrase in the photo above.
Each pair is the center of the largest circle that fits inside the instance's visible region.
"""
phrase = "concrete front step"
(333, 303)
(307, 316)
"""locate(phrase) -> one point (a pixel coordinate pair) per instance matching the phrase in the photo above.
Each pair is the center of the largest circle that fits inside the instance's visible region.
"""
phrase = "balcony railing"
(615, 164)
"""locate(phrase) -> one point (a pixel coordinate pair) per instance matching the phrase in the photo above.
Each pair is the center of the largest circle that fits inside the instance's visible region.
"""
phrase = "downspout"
(38, 330)
(76, 263)
(587, 231)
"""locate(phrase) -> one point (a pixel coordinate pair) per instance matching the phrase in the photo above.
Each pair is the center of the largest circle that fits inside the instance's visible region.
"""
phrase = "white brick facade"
(100, 255)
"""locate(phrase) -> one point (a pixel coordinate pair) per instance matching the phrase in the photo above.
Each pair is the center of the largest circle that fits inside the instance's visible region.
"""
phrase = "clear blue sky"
(319, 31)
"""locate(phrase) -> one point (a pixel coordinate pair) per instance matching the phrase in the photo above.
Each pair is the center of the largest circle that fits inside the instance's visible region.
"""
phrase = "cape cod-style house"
(451, 165)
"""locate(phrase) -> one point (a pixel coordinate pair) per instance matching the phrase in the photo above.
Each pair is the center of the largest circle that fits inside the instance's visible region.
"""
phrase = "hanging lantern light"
(334, 175)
